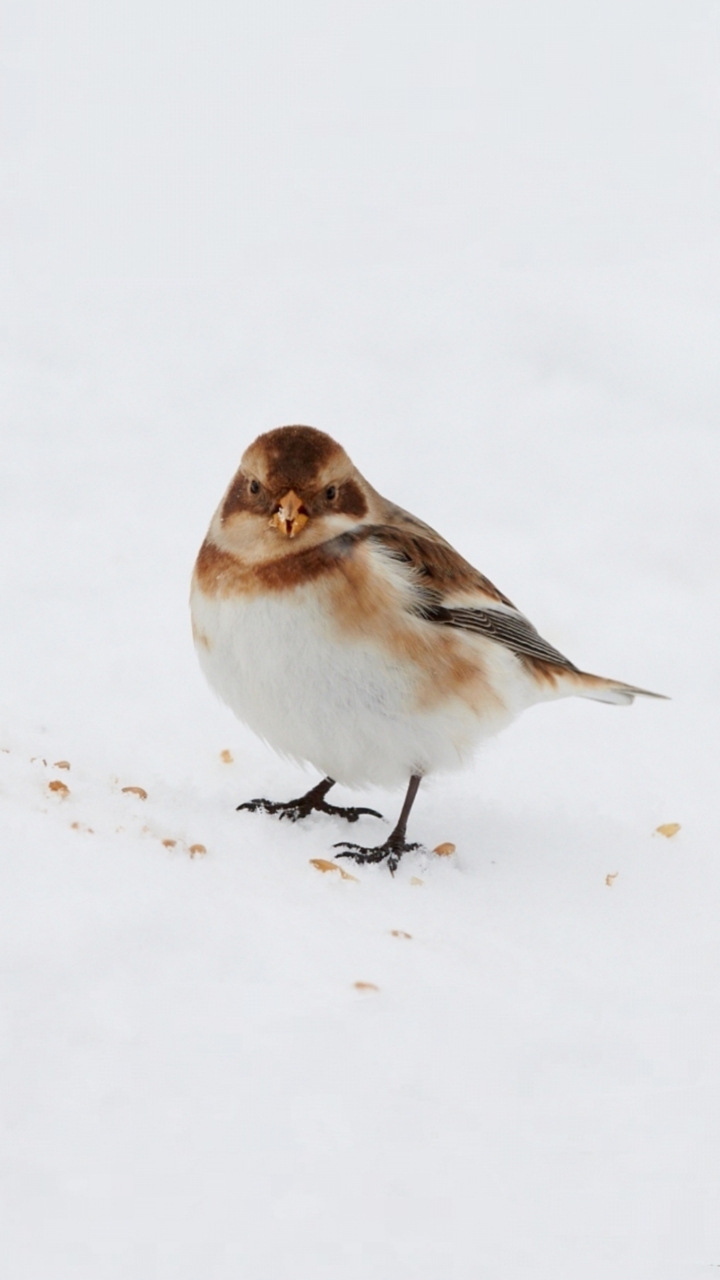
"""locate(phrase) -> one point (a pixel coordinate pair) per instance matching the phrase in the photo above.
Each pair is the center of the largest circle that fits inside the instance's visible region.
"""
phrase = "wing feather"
(441, 572)
(510, 629)
(438, 568)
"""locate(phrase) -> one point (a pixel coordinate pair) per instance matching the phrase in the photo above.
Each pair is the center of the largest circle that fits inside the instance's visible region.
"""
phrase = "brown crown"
(292, 457)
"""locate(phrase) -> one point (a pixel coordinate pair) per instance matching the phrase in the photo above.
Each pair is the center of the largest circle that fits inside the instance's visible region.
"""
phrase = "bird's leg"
(307, 804)
(395, 845)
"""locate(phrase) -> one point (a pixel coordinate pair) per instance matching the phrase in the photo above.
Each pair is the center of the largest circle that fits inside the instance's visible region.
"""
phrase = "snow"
(478, 244)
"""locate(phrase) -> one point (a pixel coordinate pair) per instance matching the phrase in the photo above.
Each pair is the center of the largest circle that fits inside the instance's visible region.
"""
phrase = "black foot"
(392, 851)
(295, 810)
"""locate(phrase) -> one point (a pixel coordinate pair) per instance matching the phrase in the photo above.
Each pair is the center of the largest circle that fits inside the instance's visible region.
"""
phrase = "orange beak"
(290, 516)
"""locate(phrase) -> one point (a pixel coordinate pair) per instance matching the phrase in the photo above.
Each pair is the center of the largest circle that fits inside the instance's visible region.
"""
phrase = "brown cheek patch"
(238, 497)
(351, 500)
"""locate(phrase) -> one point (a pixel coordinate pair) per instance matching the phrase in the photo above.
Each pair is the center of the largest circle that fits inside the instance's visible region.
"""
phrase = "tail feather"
(614, 691)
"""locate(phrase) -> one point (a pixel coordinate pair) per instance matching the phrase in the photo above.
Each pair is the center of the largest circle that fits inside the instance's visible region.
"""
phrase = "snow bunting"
(351, 636)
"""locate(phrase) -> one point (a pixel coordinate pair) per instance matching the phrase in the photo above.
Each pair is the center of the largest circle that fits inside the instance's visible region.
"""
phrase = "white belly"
(344, 705)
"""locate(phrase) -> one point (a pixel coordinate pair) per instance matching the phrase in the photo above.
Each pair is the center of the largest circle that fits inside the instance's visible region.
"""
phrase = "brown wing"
(511, 629)
(440, 569)
(441, 572)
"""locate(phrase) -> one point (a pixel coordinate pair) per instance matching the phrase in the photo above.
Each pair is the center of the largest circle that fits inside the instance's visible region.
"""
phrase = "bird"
(350, 636)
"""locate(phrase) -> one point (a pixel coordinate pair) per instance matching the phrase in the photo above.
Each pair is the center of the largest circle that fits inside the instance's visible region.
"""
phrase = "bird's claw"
(295, 810)
(289, 810)
(391, 852)
(349, 812)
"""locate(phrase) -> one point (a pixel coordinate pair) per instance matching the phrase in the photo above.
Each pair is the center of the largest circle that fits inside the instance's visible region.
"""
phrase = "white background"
(478, 243)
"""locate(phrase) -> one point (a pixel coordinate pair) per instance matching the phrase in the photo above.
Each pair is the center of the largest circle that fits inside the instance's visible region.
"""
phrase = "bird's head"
(293, 483)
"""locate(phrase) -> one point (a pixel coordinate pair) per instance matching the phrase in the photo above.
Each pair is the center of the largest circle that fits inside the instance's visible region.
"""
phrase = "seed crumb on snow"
(365, 986)
(226, 756)
(323, 864)
(169, 844)
(59, 788)
(136, 791)
(667, 829)
(416, 880)
(400, 933)
(444, 850)
(197, 850)
(611, 877)
(61, 764)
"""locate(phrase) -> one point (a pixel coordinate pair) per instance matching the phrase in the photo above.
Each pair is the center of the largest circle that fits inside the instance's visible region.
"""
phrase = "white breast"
(345, 705)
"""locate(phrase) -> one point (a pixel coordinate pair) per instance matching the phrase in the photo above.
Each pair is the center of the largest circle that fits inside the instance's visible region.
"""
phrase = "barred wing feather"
(511, 629)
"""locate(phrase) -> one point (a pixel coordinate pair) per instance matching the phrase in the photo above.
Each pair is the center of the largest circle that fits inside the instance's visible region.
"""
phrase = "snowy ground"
(478, 244)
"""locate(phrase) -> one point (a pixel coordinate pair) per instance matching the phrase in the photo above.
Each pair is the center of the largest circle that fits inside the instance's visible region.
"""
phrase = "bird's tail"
(603, 690)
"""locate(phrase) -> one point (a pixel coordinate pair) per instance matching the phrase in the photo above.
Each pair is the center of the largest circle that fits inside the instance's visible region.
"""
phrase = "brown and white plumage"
(352, 636)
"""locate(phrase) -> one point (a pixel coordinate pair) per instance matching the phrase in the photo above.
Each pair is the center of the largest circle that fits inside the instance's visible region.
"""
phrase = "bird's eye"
(331, 492)
(254, 486)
